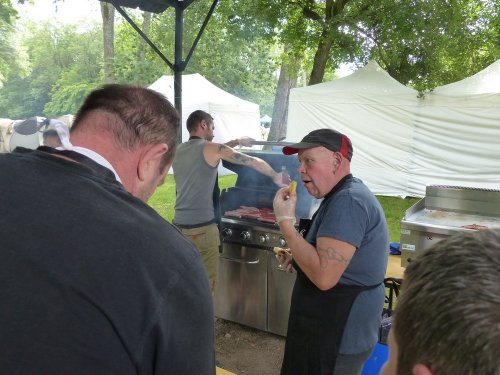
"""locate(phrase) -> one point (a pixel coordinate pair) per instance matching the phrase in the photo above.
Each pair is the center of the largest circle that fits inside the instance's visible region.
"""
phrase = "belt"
(192, 226)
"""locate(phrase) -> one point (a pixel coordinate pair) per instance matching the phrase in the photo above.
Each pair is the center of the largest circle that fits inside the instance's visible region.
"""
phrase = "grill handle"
(241, 260)
(271, 143)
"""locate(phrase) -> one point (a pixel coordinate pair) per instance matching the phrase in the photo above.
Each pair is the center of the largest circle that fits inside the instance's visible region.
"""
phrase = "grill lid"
(258, 190)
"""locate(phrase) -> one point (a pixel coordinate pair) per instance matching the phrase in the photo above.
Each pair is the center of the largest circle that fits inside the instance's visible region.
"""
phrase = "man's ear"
(150, 159)
(336, 160)
(420, 369)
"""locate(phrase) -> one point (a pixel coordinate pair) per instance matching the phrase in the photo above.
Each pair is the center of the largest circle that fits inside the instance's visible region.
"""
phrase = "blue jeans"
(351, 364)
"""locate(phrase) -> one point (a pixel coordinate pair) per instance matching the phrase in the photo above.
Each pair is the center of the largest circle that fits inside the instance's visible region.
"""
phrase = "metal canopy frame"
(159, 6)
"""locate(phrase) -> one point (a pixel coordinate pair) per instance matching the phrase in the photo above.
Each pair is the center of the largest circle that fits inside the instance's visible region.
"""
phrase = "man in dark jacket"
(93, 280)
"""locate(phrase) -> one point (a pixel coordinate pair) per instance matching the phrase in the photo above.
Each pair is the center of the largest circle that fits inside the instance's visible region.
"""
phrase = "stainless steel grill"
(444, 211)
(252, 289)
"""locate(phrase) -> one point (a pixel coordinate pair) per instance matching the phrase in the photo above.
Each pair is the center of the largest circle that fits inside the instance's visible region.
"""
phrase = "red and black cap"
(328, 138)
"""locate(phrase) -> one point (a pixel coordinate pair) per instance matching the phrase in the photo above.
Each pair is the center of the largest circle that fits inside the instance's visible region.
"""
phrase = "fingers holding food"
(282, 252)
(284, 258)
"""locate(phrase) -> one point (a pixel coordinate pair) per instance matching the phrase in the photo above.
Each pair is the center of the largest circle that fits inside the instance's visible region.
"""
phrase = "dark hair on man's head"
(448, 314)
(195, 118)
(143, 116)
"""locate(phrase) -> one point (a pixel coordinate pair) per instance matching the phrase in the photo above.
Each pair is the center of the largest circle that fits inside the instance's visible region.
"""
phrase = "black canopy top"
(153, 6)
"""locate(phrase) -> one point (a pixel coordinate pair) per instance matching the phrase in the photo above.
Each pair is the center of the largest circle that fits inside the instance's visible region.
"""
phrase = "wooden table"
(394, 268)
(221, 371)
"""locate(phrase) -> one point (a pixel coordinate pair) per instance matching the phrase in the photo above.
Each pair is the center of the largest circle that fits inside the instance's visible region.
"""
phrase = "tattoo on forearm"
(240, 158)
(330, 254)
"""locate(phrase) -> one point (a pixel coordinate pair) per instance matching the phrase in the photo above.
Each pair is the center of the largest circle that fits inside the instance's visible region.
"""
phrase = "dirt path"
(247, 351)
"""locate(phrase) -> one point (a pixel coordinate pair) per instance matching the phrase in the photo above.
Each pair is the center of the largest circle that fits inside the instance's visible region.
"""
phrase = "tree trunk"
(320, 60)
(287, 80)
(333, 8)
(141, 47)
(108, 32)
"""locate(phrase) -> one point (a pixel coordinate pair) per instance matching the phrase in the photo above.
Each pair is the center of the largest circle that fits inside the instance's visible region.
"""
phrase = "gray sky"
(64, 11)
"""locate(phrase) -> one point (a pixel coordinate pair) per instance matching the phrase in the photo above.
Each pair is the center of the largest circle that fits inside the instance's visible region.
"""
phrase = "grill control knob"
(282, 242)
(264, 238)
(245, 235)
(227, 233)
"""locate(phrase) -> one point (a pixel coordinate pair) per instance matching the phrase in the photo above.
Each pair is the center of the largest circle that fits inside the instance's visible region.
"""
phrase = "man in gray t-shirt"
(195, 172)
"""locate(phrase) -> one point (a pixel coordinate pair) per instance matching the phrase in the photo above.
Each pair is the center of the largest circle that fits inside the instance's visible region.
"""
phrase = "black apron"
(316, 325)
(317, 318)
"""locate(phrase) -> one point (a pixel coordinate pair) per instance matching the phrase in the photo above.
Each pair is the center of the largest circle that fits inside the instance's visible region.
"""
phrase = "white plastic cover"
(403, 143)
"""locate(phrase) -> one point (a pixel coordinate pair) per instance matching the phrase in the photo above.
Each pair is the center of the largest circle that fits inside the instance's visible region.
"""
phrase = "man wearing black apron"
(340, 260)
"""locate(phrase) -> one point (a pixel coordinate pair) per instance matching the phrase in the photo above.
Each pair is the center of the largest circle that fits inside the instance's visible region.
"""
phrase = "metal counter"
(444, 211)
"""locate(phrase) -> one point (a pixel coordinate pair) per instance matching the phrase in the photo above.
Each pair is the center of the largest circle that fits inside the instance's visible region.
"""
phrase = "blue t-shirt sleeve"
(345, 219)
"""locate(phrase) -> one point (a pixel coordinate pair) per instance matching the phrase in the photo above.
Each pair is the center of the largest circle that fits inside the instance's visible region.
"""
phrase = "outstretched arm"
(243, 141)
(226, 153)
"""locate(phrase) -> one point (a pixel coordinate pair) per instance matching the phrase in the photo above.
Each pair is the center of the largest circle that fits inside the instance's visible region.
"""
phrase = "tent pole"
(178, 64)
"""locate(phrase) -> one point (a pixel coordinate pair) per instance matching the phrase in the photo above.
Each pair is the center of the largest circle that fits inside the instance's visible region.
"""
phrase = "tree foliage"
(426, 43)
(247, 45)
(245, 68)
(64, 66)
(8, 56)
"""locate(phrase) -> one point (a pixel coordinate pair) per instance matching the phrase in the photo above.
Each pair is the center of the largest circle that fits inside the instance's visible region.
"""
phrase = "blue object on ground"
(394, 248)
(374, 364)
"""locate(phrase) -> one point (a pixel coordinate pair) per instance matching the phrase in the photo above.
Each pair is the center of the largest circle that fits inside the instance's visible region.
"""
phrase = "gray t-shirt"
(194, 181)
(354, 215)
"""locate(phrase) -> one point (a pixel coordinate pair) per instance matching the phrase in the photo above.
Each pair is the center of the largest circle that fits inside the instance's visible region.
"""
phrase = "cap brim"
(293, 149)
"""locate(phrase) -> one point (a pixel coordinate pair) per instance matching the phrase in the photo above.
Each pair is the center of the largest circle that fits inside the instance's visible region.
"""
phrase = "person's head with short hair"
(51, 138)
(201, 124)
(134, 128)
(324, 156)
(447, 319)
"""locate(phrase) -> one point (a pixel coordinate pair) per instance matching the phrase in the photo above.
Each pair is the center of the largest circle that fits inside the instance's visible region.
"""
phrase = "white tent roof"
(402, 143)
(373, 109)
(368, 85)
(266, 119)
(457, 132)
(487, 81)
(233, 117)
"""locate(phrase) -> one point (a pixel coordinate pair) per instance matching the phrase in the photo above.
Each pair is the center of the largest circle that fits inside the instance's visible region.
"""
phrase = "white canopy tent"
(5, 133)
(456, 139)
(233, 116)
(374, 110)
(403, 143)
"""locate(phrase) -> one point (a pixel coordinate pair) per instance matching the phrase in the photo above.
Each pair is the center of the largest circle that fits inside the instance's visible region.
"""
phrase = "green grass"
(394, 209)
(163, 202)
